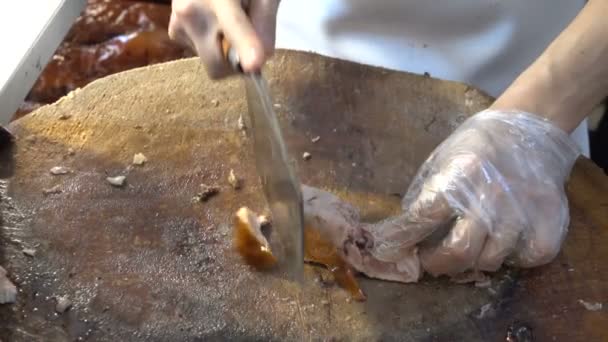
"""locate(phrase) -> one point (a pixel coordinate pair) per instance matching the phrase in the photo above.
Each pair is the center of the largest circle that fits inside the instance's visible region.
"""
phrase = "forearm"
(570, 77)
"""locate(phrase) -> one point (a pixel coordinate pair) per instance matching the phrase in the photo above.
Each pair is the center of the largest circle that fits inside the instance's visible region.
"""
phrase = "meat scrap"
(117, 181)
(241, 123)
(30, 252)
(59, 170)
(249, 241)
(8, 290)
(54, 190)
(234, 181)
(63, 304)
(591, 306)
(139, 159)
(207, 191)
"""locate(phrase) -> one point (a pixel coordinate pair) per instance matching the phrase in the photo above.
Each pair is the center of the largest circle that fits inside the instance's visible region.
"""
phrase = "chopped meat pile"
(109, 37)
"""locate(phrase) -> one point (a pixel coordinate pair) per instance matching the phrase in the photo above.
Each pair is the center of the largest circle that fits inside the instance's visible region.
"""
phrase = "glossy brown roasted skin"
(249, 242)
(109, 37)
(75, 66)
(106, 19)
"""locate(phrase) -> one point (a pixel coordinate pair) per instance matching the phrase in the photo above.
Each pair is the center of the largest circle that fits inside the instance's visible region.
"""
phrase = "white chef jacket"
(484, 43)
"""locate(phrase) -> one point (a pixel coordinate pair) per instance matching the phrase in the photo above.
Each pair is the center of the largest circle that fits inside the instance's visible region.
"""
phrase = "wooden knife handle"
(230, 55)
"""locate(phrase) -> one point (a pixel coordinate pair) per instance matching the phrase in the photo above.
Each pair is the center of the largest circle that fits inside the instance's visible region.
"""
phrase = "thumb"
(425, 211)
(238, 29)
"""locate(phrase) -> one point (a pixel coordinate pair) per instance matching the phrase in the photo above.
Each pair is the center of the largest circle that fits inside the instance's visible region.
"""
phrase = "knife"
(277, 175)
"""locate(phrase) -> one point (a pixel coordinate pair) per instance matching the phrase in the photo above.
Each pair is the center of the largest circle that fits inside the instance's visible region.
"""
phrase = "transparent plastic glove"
(493, 192)
(248, 25)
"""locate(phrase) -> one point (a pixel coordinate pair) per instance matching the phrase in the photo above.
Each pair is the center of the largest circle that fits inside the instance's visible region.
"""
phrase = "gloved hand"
(493, 192)
(248, 25)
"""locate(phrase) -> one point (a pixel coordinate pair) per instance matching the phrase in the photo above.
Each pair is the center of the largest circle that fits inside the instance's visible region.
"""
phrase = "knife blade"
(277, 174)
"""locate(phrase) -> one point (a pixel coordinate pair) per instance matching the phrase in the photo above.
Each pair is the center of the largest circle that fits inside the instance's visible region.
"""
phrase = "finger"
(196, 25)
(237, 28)
(206, 41)
(540, 242)
(425, 211)
(499, 244)
(263, 14)
(457, 252)
(177, 33)
(439, 192)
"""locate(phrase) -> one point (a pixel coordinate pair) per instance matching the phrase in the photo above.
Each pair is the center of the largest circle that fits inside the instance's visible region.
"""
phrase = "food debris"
(306, 156)
(8, 290)
(215, 102)
(249, 241)
(315, 139)
(484, 310)
(30, 252)
(591, 306)
(484, 283)
(235, 182)
(117, 181)
(207, 191)
(59, 170)
(73, 93)
(71, 152)
(54, 190)
(241, 123)
(64, 116)
(139, 159)
(277, 105)
(63, 304)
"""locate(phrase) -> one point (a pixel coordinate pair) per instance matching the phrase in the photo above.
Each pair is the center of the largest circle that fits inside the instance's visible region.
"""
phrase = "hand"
(493, 192)
(248, 25)
(496, 187)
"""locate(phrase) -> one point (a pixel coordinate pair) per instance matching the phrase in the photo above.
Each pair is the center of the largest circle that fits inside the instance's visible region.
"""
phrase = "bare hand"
(248, 25)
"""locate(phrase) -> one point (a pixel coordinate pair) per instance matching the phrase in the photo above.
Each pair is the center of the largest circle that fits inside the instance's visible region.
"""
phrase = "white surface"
(30, 31)
(485, 43)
